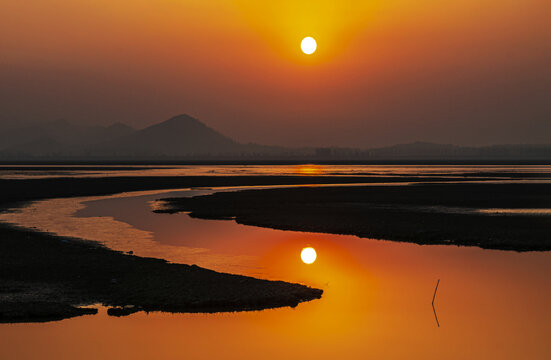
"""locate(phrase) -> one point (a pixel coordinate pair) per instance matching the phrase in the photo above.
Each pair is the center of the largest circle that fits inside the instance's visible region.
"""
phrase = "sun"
(308, 255)
(308, 45)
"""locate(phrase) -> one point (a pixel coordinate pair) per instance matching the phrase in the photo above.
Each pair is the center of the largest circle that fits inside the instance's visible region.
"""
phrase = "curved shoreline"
(425, 214)
(45, 277)
(40, 280)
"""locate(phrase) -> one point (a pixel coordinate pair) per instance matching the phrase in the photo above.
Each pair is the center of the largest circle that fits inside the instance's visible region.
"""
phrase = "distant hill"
(41, 146)
(428, 151)
(179, 136)
(183, 137)
(58, 137)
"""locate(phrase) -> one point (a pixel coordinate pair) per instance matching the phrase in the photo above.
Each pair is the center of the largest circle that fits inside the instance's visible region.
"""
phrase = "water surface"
(376, 302)
(377, 294)
(459, 172)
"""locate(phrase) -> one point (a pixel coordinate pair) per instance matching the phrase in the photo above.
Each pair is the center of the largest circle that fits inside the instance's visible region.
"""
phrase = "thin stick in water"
(433, 297)
(436, 289)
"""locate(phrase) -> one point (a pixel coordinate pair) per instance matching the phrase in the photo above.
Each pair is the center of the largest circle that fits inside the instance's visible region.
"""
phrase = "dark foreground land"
(422, 214)
(43, 278)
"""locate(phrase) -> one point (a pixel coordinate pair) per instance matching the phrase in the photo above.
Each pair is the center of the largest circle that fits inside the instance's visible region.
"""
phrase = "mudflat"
(41, 188)
(45, 277)
(448, 213)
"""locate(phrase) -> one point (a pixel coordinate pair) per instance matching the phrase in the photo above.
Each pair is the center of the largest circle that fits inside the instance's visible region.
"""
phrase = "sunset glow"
(378, 67)
(171, 168)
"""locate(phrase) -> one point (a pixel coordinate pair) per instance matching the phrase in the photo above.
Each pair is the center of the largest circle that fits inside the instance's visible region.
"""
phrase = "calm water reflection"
(448, 171)
(376, 304)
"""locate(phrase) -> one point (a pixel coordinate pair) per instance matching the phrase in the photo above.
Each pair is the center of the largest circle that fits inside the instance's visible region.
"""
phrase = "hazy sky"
(386, 71)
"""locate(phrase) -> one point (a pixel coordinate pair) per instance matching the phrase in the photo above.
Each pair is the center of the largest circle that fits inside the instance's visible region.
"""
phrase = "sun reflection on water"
(308, 255)
(309, 169)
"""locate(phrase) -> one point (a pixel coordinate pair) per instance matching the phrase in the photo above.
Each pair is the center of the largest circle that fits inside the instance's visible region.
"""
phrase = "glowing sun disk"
(308, 45)
(308, 255)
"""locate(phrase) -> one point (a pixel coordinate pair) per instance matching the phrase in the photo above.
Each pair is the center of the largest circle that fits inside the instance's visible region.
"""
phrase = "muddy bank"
(33, 189)
(422, 214)
(44, 278)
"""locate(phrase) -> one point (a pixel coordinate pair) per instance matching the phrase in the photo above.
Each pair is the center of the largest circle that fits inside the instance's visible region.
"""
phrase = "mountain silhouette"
(420, 149)
(426, 151)
(41, 146)
(180, 135)
(57, 137)
(184, 137)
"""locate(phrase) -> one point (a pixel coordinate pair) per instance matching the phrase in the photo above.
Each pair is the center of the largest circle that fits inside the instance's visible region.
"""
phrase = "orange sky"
(386, 71)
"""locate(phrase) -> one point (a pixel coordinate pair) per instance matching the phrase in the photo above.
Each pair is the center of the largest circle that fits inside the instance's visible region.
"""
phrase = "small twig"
(435, 316)
(433, 297)
(436, 289)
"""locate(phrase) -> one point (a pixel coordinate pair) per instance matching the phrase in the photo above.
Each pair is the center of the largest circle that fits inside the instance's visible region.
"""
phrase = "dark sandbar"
(422, 214)
(44, 277)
